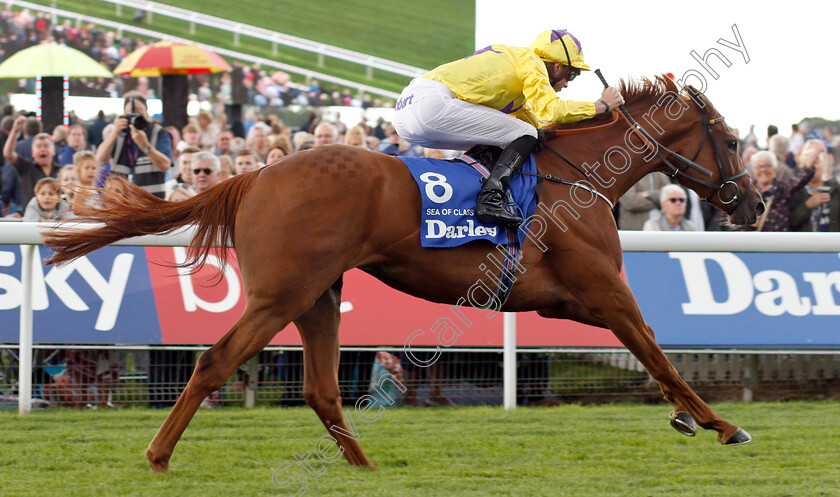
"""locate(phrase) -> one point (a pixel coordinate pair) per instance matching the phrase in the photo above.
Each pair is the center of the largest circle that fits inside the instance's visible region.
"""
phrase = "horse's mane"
(634, 91)
(646, 90)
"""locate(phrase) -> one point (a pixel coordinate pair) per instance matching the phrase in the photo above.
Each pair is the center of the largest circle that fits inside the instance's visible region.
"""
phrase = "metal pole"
(251, 384)
(509, 360)
(25, 346)
(750, 381)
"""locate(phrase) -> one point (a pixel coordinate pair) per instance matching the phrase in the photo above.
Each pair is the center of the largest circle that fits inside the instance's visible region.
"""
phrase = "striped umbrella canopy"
(52, 60)
(171, 57)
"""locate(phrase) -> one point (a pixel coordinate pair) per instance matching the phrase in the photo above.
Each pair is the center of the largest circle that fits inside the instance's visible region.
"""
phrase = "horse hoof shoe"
(683, 423)
(740, 437)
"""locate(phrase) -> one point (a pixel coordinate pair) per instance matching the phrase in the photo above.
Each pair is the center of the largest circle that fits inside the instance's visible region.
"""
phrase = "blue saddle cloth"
(448, 193)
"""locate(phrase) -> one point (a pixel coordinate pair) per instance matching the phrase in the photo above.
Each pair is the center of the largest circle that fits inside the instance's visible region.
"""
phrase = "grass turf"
(610, 450)
(423, 34)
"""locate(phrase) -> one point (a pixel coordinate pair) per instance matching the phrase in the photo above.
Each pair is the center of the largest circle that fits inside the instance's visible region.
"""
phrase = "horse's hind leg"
(261, 320)
(318, 329)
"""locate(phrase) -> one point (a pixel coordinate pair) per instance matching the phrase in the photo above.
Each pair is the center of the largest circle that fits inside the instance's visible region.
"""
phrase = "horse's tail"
(126, 210)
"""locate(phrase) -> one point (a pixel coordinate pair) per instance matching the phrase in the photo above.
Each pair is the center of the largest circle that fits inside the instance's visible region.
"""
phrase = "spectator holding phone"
(777, 195)
(817, 206)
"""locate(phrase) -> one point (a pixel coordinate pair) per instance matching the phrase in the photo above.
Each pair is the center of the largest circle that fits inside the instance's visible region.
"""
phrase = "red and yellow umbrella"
(171, 57)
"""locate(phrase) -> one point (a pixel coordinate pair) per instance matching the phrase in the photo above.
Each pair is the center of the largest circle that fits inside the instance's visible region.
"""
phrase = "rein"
(555, 179)
(652, 145)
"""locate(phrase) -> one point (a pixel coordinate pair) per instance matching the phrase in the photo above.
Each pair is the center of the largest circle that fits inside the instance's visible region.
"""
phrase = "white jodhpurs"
(430, 115)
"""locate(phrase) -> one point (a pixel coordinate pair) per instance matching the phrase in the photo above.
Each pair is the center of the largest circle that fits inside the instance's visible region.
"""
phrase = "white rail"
(237, 28)
(221, 51)
(18, 233)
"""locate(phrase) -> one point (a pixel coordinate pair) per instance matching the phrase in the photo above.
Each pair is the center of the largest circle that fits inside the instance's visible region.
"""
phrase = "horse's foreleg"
(617, 308)
(680, 419)
(319, 331)
(569, 310)
(251, 333)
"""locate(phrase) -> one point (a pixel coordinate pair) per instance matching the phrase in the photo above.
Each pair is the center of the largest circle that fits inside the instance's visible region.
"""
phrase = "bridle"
(726, 194)
(727, 191)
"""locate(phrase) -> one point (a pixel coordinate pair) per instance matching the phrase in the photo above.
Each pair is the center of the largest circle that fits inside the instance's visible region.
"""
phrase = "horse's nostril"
(759, 209)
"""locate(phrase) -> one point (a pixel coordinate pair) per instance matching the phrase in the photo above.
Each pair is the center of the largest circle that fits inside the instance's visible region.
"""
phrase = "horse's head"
(707, 158)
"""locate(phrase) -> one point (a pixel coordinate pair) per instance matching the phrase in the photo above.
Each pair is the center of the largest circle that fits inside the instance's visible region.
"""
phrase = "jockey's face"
(558, 75)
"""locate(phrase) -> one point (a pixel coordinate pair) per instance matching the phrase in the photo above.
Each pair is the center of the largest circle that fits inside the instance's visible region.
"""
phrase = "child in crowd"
(88, 173)
(189, 138)
(182, 191)
(67, 179)
(47, 204)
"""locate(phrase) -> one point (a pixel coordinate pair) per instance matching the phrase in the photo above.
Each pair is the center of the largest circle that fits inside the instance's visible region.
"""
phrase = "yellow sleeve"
(544, 102)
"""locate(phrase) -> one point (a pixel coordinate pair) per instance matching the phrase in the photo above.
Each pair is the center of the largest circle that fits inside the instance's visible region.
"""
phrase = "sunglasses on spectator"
(205, 170)
(676, 200)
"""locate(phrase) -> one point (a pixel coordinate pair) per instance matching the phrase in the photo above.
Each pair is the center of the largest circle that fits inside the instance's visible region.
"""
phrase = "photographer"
(138, 147)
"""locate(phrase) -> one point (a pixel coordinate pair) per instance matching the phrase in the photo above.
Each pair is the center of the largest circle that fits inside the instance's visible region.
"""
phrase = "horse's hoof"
(684, 423)
(740, 437)
(158, 464)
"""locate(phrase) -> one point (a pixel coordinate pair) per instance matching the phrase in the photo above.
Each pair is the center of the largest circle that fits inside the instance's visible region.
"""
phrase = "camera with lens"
(137, 120)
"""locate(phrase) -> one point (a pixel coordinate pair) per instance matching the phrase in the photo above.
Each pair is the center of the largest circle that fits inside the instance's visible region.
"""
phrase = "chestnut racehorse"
(297, 226)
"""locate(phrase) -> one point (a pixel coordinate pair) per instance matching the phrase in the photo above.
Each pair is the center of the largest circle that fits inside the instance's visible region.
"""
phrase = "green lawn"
(611, 450)
(423, 34)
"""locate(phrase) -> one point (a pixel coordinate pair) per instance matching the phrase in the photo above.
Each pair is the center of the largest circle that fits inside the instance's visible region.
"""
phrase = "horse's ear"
(695, 95)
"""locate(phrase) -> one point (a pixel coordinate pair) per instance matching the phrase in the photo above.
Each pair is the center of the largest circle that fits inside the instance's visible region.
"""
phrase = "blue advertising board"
(738, 299)
(105, 297)
(691, 299)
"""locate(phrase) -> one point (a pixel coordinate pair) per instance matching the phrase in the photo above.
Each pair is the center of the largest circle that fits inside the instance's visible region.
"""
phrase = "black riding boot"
(490, 208)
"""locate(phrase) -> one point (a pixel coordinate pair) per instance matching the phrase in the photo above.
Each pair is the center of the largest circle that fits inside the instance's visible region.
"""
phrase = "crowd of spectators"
(48, 177)
(247, 85)
(42, 169)
(162, 159)
(796, 176)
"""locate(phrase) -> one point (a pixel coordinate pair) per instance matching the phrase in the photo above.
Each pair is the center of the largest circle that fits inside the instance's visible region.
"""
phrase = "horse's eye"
(733, 145)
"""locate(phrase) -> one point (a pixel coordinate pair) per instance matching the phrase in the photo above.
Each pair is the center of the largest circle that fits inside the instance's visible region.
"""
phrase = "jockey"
(498, 96)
